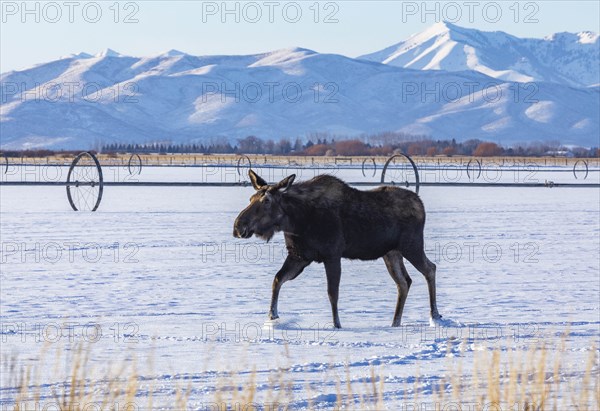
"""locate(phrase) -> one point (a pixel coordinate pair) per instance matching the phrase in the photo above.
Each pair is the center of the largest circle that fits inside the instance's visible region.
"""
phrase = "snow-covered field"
(156, 275)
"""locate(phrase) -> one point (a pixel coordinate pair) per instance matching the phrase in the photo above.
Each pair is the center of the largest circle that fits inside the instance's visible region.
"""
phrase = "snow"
(588, 37)
(543, 111)
(108, 53)
(81, 55)
(183, 98)
(566, 58)
(290, 93)
(173, 53)
(282, 56)
(158, 271)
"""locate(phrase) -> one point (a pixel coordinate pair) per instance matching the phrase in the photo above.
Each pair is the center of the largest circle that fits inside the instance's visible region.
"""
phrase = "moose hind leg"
(427, 268)
(291, 269)
(395, 265)
(333, 269)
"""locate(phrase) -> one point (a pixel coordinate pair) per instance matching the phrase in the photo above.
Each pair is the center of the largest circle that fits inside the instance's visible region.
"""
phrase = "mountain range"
(445, 82)
(564, 58)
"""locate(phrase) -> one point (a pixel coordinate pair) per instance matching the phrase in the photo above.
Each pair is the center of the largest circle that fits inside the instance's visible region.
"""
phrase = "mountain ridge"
(566, 58)
(78, 100)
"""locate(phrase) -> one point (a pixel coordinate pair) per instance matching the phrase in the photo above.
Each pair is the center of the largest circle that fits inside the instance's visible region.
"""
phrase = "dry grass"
(535, 379)
(528, 380)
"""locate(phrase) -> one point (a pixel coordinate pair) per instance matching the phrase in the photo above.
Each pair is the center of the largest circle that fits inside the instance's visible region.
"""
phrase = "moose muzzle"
(241, 229)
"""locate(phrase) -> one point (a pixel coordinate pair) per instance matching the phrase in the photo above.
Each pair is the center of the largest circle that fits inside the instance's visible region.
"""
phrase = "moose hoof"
(435, 320)
(396, 324)
(270, 325)
(273, 317)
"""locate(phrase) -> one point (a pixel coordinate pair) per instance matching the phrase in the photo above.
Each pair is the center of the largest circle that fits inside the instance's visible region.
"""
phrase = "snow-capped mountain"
(566, 58)
(83, 99)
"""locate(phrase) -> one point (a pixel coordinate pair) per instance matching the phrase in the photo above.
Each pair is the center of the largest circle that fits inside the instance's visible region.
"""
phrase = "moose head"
(264, 216)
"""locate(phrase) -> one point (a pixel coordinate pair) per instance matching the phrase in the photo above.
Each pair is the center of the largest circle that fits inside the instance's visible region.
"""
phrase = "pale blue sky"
(200, 28)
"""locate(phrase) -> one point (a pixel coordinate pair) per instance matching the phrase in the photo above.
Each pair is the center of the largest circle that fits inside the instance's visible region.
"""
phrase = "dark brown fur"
(325, 220)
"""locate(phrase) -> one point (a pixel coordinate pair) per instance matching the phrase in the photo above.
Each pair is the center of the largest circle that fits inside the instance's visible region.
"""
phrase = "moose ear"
(286, 183)
(257, 181)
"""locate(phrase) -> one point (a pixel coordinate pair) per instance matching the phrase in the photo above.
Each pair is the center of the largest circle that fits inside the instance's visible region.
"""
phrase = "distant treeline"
(322, 144)
(384, 144)
(41, 153)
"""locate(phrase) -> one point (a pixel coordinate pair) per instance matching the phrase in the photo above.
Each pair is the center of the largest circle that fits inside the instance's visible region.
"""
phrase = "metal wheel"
(469, 168)
(364, 167)
(5, 162)
(85, 183)
(134, 165)
(240, 164)
(587, 170)
(401, 175)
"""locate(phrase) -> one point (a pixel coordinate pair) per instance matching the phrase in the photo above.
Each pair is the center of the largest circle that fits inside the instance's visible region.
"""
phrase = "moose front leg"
(292, 267)
(333, 269)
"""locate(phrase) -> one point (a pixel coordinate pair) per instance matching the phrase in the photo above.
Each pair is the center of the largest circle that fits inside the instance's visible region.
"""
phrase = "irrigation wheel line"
(139, 160)
(81, 188)
(6, 161)
(587, 169)
(374, 167)
(549, 184)
(469, 166)
(414, 166)
(239, 164)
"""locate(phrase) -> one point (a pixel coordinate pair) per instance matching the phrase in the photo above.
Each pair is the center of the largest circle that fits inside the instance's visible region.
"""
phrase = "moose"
(325, 220)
